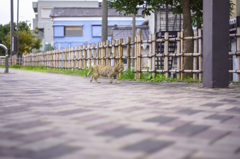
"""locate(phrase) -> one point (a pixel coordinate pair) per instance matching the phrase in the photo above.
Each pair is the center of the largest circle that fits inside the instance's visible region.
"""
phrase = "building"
(77, 26)
(42, 23)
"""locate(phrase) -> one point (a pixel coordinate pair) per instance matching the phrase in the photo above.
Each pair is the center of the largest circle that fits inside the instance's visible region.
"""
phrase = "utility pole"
(12, 32)
(17, 30)
(215, 43)
(104, 20)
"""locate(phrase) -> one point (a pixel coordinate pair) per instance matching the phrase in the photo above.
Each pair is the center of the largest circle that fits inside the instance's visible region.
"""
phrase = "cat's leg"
(96, 77)
(115, 77)
(110, 78)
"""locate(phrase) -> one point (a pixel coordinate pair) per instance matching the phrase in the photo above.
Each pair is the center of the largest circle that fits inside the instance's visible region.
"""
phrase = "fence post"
(178, 57)
(195, 50)
(200, 53)
(153, 52)
(120, 50)
(98, 53)
(108, 54)
(103, 54)
(238, 49)
(80, 57)
(129, 52)
(135, 59)
(85, 55)
(182, 56)
(114, 52)
(139, 52)
(94, 54)
(89, 55)
(150, 52)
(166, 53)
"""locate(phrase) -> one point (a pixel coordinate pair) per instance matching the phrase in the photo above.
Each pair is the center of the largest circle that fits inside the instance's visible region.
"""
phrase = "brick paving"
(55, 116)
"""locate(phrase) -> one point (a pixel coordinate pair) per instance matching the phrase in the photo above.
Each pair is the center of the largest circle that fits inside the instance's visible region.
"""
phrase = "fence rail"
(109, 54)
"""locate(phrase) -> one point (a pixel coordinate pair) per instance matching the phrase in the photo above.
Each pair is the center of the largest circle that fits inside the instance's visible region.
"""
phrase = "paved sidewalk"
(55, 116)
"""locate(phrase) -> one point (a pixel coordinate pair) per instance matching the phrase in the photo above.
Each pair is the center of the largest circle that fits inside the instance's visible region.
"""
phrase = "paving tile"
(37, 136)
(161, 119)
(190, 129)
(219, 117)
(119, 132)
(212, 135)
(234, 110)
(73, 111)
(27, 125)
(228, 100)
(148, 146)
(189, 111)
(212, 105)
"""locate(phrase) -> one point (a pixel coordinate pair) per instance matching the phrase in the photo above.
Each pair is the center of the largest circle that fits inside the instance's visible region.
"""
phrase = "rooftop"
(86, 12)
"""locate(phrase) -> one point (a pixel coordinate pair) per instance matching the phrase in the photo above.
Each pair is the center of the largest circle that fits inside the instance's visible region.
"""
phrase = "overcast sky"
(26, 12)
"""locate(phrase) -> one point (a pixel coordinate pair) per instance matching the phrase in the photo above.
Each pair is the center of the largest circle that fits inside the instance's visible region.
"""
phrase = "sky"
(26, 12)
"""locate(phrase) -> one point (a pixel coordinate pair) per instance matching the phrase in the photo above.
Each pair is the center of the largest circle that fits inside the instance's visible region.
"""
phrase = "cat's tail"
(90, 71)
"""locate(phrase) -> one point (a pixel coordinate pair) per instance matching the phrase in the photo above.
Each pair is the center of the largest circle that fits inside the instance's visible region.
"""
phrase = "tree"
(191, 9)
(27, 41)
(104, 20)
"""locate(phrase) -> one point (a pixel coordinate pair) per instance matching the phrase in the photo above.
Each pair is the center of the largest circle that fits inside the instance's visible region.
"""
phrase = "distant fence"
(109, 54)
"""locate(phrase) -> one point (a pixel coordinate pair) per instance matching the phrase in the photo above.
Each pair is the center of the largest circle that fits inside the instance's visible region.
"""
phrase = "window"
(73, 31)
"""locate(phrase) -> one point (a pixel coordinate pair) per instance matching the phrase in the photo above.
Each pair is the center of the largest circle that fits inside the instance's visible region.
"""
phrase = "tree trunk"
(104, 20)
(188, 31)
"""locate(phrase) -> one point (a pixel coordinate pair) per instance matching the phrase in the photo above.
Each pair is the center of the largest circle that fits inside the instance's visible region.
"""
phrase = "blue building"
(77, 26)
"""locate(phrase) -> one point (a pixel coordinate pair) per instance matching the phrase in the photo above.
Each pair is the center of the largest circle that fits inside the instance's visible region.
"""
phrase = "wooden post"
(120, 50)
(114, 52)
(98, 53)
(108, 53)
(195, 50)
(139, 53)
(80, 57)
(238, 49)
(166, 53)
(150, 53)
(129, 53)
(182, 56)
(94, 54)
(120, 54)
(178, 58)
(77, 57)
(72, 58)
(153, 52)
(103, 53)
(200, 52)
(136, 54)
(89, 56)
(85, 55)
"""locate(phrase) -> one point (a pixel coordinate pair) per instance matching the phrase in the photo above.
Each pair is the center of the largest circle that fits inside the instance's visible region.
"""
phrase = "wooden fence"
(106, 53)
(109, 54)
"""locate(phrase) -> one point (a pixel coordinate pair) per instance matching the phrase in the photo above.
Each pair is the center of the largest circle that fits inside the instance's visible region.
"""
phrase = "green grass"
(127, 74)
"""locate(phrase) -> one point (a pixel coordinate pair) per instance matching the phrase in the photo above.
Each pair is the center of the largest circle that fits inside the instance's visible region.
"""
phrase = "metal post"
(12, 32)
(215, 43)
(6, 57)
(17, 53)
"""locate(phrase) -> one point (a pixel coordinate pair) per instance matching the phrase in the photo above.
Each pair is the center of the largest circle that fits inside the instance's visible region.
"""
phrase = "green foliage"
(188, 79)
(128, 74)
(27, 41)
(148, 6)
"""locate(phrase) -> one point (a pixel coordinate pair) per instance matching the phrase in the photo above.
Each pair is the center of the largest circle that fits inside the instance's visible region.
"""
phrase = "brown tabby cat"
(106, 71)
